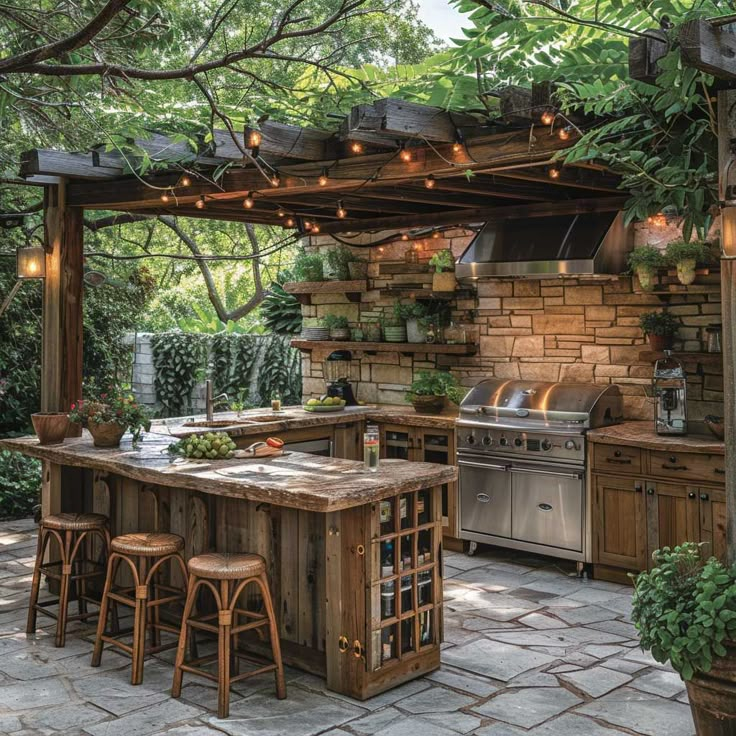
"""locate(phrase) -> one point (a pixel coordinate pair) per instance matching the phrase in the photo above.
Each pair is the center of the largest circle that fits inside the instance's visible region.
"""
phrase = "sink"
(243, 422)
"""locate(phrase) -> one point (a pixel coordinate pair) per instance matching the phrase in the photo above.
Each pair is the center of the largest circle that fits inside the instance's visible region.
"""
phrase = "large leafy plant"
(435, 383)
(659, 323)
(685, 608)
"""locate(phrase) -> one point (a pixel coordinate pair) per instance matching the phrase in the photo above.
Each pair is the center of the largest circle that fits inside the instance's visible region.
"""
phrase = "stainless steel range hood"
(538, 247)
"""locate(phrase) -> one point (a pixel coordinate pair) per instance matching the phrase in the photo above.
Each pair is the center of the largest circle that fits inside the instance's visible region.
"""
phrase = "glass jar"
(371, 449)
(276, 401)
(454, 334)
(713, 339)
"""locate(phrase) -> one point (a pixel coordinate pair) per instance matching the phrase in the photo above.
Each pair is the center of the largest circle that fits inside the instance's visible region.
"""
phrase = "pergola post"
(61, 361)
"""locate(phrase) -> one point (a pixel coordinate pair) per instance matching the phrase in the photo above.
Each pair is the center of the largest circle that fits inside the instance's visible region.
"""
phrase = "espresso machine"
(339, 371)
(670, 396)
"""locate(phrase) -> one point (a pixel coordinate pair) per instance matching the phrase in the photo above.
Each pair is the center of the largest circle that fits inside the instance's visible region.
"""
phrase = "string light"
(341, 212)
(548, 117)
(356, 147)
(275, 179)
(289, 222)
(200, 204)
(436, 234)
(458, 145)
(281, 212)
(430, 181)
(255, 138)
(307, 225)
(315, 228)
(405, 154)
(563, 133)
(248, 202)
(323, 178)
(553, 172)
(404, 236)
(185, 181)
(165, 197)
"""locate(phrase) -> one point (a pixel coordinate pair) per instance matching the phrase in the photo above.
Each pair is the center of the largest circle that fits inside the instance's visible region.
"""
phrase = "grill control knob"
(487, 440)
(570, 445)
(503, 442)
(546, 445)
(518, 442)
(470, 439)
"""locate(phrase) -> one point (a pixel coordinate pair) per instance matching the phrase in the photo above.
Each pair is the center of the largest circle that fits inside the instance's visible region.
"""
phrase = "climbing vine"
(179, 359)
(231, 360)
(280, 370)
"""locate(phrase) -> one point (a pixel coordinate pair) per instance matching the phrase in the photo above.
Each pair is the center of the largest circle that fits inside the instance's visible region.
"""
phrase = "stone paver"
(512, 620)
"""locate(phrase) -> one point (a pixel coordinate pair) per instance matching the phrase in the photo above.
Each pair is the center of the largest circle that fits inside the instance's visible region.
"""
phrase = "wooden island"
(354, 557)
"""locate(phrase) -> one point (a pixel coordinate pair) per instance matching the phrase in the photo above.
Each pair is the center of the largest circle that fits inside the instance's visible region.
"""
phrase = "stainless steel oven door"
(485, 496)
(547, 505)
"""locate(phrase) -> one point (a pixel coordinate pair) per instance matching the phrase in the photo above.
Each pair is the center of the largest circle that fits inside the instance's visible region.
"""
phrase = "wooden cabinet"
(653, 499)
(430, 445)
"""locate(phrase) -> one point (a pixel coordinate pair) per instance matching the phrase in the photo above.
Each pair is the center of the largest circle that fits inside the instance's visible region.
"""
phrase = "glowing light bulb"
(430, 181)
(281, 212)
(553, 172)
(405, 155)
(185, 181)
(457, 147)
(436, 234)
(323, 178)
(200, 204)
(165, 198)
(248, 202)
(404, 236)
(275, 179)
(563, 134)
(548, 117)
(289, 222)
(255, 137)
(356, 147)
(341, 212)
(315, 228)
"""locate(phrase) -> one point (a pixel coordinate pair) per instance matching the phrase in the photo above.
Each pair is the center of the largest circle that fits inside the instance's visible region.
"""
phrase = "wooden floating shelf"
(429, 295)
(303, 290)
(702, 358)
(386, 347)
(680, 290)
(393, 268)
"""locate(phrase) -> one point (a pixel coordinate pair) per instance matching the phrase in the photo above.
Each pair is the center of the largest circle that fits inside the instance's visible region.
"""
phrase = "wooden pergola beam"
(711, 49)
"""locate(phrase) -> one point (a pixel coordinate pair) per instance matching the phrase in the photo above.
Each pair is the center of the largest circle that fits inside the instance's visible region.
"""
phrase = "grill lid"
(586, 405)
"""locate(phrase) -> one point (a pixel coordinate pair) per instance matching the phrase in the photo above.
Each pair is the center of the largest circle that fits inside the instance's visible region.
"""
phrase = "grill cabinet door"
(485, 497)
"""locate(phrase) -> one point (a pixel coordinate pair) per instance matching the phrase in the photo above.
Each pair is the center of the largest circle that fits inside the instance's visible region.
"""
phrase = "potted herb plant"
(645, 261)
(660, 328)
(358, 268)
(685, 611)
(394, 329)
(109, 416)
(337, 324)
(443, 278)
(430, 390)
(309, 267)
(685, 257)
(372, 331)
(338, 260)
(415, 317)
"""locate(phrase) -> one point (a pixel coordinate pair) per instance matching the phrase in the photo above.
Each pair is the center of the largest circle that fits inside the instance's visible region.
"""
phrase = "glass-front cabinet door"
(438, 446)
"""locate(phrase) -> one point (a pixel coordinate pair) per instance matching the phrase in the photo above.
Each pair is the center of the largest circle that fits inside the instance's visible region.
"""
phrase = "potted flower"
(443, 278)
(685, 611)
(645, 262)
(430, 390)
(394, 329)
(415, 317)
(372, 331)
(685, 257)
(309, 267)
(337, 324)
(660, 328)
(108, 418)
(51, 427)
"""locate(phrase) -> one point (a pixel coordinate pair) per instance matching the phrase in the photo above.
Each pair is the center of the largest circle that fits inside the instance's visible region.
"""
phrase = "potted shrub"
(443, 278)
(109, 417)
(660, 328)
(372, 331)
(415, 317)
(309, 267)
(645, 262)
(50, 426)
(685, 257)
(337, 324)
(430, 390)
(358, 268)
(685, 611)
(338, 262)
(394, 329)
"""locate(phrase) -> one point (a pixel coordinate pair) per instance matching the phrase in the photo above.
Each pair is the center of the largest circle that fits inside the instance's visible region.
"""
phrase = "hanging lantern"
(31, 262)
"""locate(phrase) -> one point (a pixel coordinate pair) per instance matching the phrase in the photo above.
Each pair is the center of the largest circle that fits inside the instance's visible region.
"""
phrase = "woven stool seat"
(68, 522)
(152, 544)
(220, 566)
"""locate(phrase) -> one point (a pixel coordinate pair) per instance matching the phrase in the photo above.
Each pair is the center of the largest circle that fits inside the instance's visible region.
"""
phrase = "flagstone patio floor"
(529, 649)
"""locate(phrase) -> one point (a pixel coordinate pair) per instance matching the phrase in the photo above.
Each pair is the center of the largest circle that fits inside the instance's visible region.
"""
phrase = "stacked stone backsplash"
(557, 329)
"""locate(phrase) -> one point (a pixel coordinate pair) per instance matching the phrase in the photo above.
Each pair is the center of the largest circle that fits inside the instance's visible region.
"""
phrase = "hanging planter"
(685, 258)
(645, 261)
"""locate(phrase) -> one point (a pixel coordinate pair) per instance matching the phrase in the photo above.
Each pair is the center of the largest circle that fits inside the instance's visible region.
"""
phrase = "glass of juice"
(371, 447)
(276, 401)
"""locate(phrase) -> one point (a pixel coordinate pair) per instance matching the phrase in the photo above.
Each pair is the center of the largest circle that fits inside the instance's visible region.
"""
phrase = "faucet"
(212, 402)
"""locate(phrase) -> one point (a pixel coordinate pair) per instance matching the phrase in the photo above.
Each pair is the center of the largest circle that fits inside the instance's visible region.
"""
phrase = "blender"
(339, 372)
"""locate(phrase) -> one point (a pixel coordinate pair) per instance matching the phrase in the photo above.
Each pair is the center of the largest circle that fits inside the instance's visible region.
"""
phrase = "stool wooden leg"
(81, 583)
(182, 648)
(224, 619)
(139, 628)
(36, 582)
(274, 631)
(66, 572)
(104, 606)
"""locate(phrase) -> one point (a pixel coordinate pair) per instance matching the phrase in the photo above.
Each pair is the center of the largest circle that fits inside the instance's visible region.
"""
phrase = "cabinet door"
(620, 537)
(397, 441)
(713, 522)
(438, 446)
(672, 515)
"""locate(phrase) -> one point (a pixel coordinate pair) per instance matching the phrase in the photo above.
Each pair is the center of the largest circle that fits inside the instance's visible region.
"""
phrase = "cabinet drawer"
(688, 466)
(614, 458)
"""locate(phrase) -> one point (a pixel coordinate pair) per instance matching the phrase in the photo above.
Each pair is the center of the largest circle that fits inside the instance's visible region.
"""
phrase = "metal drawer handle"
(665, 466)
(577, 476)
(692, 494)
(618, 462)
(704, 496)
(483, 497)
(544, 507)
(485, 466)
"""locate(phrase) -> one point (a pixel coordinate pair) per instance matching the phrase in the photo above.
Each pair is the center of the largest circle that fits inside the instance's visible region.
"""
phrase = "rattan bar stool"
(226, 576)
(73, 534)
(145, 554)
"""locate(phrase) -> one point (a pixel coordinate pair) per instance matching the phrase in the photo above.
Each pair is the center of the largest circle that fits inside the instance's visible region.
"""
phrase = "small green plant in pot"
(443, 278)
(372, 331)
(430, 390)
(358, 268)
(109, 415)
(660, 328)
(338, 326)
(309, 267)
(686, 256)
(645, 262)
(394, 329)
(338, 262)
(685, 611)
(415, 317)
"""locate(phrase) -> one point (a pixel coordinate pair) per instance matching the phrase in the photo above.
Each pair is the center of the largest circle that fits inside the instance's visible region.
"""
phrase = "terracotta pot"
(51, 427)
(358, 270)
(444, 281)
(686, 271)
(713, 696)
(659, 343)
(645, 274)
(106, 434)
(428, 404)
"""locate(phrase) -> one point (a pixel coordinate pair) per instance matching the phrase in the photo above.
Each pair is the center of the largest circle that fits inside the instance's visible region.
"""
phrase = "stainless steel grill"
(521, 454)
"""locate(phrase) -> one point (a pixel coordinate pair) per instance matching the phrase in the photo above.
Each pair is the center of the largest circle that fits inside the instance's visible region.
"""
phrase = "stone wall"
(558, 329)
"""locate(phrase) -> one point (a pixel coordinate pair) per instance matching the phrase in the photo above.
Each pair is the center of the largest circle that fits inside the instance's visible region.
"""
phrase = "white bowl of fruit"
(325, 403)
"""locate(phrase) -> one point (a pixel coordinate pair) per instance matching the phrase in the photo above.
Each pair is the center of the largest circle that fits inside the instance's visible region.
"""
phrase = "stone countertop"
(296, 480)
(294, 417)
(642, 434)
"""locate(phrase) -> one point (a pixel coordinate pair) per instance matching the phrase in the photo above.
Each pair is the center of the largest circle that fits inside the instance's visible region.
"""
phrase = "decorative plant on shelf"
(372, 331)
(358, 268)
(660, 328)
(109, 415)
(430, 390)
(443, 278)
(414, 315)
(393, 328)
(645, 262)
(685, 611)
(686, 256)
(281, 312)
(309, 267)
(338, 262)
(338, 326)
